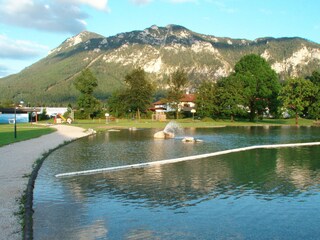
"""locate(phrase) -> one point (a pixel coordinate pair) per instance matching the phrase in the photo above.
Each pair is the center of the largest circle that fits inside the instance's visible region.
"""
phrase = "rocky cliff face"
(159, 51)
(295, 64)
(150, 48)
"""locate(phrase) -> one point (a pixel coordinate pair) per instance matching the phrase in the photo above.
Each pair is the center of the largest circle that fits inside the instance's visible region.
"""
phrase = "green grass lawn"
(101, 125)
(25, 131)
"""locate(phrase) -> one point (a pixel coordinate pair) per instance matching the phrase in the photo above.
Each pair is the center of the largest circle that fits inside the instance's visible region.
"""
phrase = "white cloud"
(97, 4)
(20, 49)
(141, 2)
(182, 1)
(145, 2)
(49, 15)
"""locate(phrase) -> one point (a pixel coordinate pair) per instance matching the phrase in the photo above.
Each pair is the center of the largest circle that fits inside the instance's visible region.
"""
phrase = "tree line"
(253, 90)
(135, 97)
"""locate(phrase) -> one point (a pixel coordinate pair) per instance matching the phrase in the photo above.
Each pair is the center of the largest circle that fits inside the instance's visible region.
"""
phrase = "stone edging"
(28, 205)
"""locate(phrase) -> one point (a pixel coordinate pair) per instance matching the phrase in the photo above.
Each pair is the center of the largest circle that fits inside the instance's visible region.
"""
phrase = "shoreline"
(17, 165)
(18, 172)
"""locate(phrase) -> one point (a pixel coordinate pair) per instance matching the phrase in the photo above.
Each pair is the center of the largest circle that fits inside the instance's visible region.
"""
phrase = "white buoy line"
(175, 160)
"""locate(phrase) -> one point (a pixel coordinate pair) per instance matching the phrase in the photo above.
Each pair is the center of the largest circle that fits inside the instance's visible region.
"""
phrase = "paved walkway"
(16, 161)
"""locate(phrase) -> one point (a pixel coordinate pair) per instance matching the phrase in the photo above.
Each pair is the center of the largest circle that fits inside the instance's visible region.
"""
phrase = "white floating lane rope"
(175, 160)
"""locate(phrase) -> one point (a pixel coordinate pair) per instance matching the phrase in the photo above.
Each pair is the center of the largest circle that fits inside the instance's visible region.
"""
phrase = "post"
(107, 115)
(15, 121)
(193, 112)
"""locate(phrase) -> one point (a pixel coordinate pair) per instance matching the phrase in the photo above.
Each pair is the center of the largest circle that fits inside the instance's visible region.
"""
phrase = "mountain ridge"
(159, 51)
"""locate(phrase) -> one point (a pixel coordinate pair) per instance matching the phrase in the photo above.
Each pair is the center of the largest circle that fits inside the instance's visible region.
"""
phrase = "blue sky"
(29, 29)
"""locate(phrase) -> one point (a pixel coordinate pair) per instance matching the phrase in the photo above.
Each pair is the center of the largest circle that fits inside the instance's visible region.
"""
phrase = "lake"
(256, 194)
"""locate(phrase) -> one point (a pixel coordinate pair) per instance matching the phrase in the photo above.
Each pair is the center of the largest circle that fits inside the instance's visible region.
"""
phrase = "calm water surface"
(258, 194)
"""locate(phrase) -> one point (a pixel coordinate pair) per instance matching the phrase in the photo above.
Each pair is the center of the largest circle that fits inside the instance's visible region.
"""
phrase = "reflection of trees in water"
(264, 174)
(254, 173)
(300, 165)
(275, 172)
(169, 185)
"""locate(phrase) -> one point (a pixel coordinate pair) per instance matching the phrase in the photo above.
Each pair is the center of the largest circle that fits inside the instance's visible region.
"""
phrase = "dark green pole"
(15, 122)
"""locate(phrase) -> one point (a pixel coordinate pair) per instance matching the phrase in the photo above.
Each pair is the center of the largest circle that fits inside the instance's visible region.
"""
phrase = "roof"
(185, 98)
(18, 110)
(188, 98)
(160, 102)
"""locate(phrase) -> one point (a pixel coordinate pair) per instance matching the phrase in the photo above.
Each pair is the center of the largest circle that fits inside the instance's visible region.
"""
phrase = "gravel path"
(16, 162)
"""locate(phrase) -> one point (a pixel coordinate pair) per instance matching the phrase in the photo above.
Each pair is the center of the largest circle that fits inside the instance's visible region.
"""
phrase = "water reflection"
(258, 194)
(265, 174)
(129, 147)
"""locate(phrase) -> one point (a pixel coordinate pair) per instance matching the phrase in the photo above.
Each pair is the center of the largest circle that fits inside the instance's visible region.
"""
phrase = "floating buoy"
(190, 140)
(113, 130)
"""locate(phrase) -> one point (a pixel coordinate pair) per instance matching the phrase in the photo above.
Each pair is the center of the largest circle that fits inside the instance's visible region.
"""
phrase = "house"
(159, 106)
(186, 104)
(53, 111)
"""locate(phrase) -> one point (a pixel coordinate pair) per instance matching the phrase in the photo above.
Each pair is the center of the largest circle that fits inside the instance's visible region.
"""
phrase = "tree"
(207, 101)
(177, 83)
(117, 103)
(230, 94)
(138, 92)
(314, 78)
(260, 82)
(6, 103)
(295, 95)
(86, 82)
(314, 108)
(43, 115)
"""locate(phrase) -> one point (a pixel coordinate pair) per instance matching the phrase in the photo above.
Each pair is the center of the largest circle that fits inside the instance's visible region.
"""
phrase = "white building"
(53, 111)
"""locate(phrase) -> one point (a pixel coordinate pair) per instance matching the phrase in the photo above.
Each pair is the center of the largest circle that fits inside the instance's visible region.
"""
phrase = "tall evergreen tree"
(117, 103)
(137, 96)
(177, 84)
(86, 82)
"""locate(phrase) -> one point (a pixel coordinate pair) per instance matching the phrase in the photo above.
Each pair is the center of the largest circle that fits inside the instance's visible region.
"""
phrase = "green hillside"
(160, 51)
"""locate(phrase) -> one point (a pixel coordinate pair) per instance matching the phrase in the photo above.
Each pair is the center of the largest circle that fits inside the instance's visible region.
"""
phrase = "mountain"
(159, 51)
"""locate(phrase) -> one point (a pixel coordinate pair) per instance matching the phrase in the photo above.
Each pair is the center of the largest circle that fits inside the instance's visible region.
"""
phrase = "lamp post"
(107, 115)
(15, 119)
(193, 112)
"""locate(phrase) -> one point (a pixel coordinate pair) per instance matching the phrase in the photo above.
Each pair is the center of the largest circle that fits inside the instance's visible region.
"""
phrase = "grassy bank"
(25, 131)
(100, 125)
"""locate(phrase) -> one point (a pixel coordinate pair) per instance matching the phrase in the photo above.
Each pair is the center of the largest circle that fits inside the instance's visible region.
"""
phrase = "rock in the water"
(169, 134)
(163, 135)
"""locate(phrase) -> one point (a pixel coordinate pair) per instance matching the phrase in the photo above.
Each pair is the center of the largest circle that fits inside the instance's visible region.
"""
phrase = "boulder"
(163, 135)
